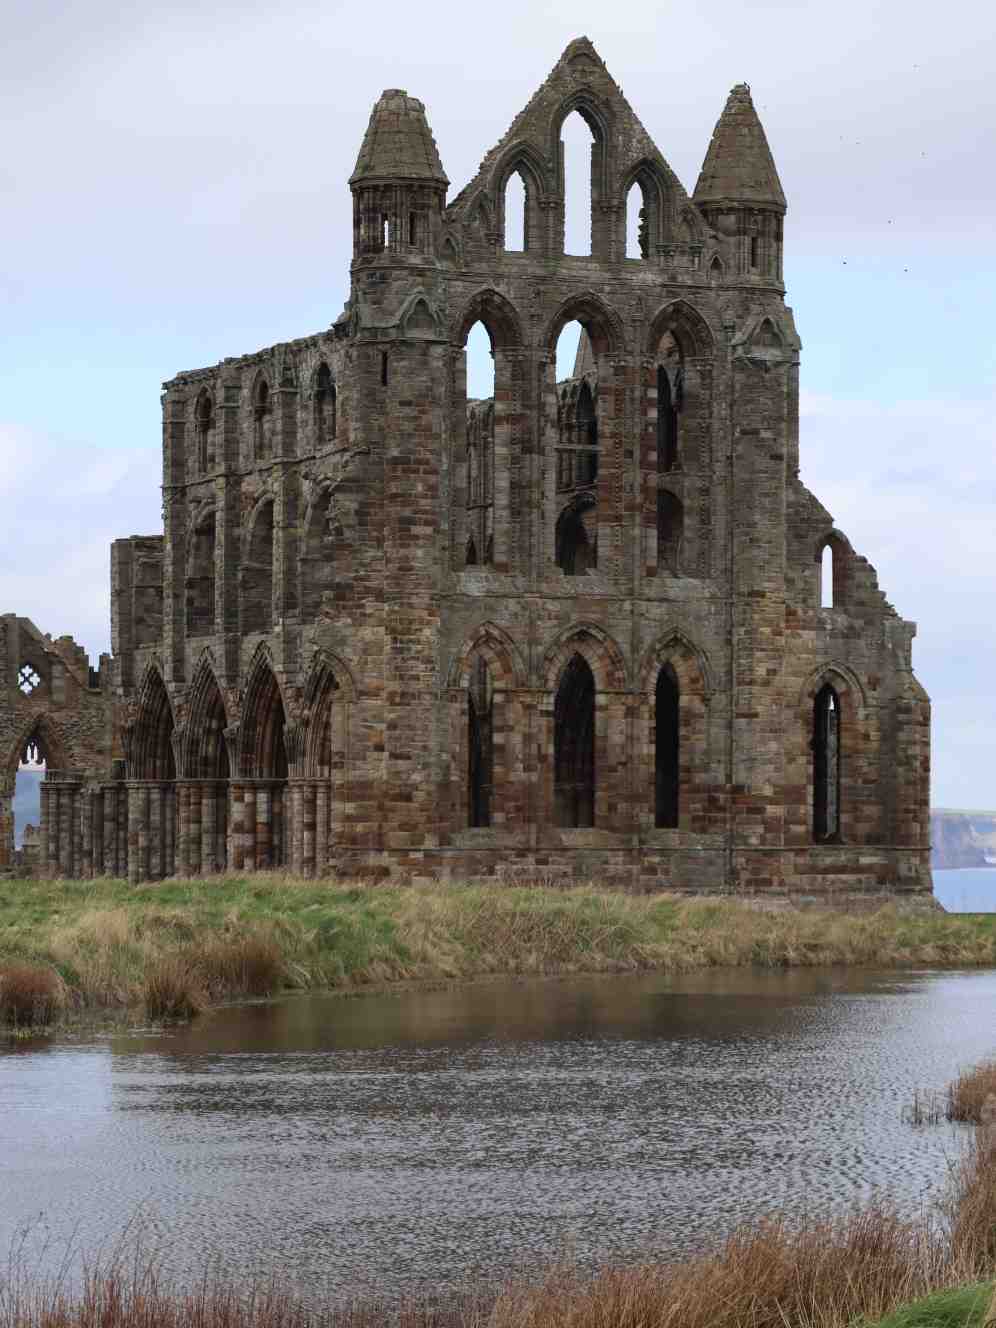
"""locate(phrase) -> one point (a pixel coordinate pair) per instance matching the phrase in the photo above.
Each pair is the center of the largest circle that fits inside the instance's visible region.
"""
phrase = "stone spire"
(398, 144)
(738, 166)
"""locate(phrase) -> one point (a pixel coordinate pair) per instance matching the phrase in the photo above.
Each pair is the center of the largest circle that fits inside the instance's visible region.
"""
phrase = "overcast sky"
(173, 190)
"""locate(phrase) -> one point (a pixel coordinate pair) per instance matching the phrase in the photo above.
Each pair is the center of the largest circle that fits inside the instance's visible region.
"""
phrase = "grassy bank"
(181, 944)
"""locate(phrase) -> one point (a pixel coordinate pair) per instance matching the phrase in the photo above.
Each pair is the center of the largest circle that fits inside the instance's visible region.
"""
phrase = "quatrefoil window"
(27, 679)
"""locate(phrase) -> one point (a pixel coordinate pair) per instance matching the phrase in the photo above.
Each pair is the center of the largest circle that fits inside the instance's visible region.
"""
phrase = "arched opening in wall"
(267, 724)
(670, 529)
(152, 760)
(325, 405)
(574, 354)
(577, 540)
(516, 232)
(262, 419)
(637, 222)
(200, 578)
(826, 745)
(204, 426)
(667, 739)
(480, 743)
(213, 769)
(827, 577)
(257, 574)
(576, 144)
(669, 388)
(318, 560)
(716, 269)
(480, 458)
(31, 768)
(574, 745)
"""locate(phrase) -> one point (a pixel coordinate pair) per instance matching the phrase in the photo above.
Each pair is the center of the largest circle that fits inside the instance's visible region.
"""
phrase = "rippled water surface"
(429, 1137)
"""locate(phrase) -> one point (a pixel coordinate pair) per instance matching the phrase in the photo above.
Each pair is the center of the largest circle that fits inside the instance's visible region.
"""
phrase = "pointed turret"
(398, 183)
(738, 166)
(398, 144)
(739, 193)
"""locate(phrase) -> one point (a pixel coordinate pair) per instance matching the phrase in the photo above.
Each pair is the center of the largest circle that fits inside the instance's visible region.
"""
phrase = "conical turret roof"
(738, 166)
(398, 144)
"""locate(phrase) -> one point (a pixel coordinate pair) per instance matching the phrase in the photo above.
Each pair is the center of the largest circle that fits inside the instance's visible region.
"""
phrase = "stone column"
(154, 831)
(264, 827)
(169, 829)
(209, 826)
(43, 835)
(321, 802)
(137, 834)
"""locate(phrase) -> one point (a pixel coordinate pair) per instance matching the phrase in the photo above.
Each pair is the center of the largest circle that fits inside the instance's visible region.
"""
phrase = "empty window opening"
(27, 801)
(325, 404)
(261, 416)
(715, 270)
(576, 147)
(667, 749)
(205, 423)
(200, 579)
(480, 743)
(412, 229)
(383, 368)
(826, 764)
(211, 764)
(670, 531)
(637, 224)
(516, 239)
(571, 363)
(257, 583)
(385, 231)
(576, 541)
(753, 252)
(480, 364)
(574, 746)
(826, 577)
(269, 758)
(667, 423)
(470, 559)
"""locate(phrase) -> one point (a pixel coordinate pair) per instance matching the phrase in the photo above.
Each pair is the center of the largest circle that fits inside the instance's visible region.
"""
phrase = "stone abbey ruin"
(574, 630)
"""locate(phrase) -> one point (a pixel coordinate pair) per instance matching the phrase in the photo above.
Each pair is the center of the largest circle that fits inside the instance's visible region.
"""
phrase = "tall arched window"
(574, 745)
(637, 239)
(325, 405)
(587, 436)
(826, 744)
(576, 544)
(200, 578)
(670, 528)
(205, 424)
(516, 227)
(480, 441)
(261, 421)
(317, 561)
(576, 158)
(257, 574)
(480, 743)
(667, 749)
(667, 424)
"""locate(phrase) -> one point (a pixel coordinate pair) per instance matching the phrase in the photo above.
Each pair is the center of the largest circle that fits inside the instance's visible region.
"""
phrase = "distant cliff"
(962, 839)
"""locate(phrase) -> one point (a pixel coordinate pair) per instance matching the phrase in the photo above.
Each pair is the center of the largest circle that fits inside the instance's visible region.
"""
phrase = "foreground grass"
(177, 945)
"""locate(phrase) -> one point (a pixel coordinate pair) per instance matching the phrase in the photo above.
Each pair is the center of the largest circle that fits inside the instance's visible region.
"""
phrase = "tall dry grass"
(30, 996)
(972, 1096)
(254, 935)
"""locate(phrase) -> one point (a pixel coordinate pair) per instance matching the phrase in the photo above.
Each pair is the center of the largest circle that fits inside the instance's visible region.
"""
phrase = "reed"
(972, 1096)
(31, 996)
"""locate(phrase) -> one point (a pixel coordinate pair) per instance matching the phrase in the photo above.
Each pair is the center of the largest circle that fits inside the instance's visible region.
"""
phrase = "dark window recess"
(383, 368)
(667, 750)
(826, 764)
(667, 424)
(574, 746)
(480, 743)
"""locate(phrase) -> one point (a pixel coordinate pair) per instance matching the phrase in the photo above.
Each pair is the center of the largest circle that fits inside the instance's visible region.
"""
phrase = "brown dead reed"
(972, 1096)
(250, 965)
(173, 990)
(30, 995)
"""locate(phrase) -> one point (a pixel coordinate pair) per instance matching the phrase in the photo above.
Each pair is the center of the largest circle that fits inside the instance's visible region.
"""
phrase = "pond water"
(415, 1140)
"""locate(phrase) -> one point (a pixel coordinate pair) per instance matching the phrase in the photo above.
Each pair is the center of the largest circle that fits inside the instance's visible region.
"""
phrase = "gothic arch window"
(257, 574)
(716, 269)
(325, 405)
(574, 745)
(667, 423)
(667, 749)
(201, 578)
(826, 746)
(264, 724)
(516, 209)
(832, 563)
(578, 146)
(480, 742)
(317, 563)
(670, 530)
(262, 421)
(204, 428)
(644, 207)
(470, 560)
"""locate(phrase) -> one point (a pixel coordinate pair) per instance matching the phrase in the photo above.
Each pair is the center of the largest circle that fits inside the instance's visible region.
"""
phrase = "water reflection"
(433, 1136)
